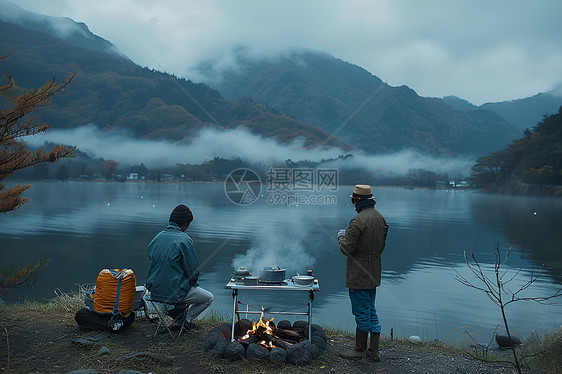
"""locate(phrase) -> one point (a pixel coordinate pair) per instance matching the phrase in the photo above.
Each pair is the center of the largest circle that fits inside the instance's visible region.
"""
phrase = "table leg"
(310, 298)
(235, 298)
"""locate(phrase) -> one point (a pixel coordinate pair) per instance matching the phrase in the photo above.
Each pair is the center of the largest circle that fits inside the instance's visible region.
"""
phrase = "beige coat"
(363, 244)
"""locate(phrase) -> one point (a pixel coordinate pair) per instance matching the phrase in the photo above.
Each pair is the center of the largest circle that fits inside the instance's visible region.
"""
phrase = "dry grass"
(544, 355)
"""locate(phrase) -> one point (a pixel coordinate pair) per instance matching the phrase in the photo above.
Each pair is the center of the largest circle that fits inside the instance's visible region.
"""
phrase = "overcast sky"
(479, 50)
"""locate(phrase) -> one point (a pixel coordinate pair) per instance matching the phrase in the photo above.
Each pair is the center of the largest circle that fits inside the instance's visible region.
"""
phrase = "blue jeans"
(363, 308)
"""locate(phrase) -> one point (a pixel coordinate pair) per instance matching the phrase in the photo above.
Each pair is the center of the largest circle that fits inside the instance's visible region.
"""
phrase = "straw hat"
(362, 191)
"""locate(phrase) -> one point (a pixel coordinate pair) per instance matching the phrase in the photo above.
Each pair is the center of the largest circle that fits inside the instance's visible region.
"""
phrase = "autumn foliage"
(15, 125)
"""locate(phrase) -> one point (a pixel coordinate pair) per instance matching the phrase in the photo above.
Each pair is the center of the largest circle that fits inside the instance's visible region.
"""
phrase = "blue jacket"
(173, 268)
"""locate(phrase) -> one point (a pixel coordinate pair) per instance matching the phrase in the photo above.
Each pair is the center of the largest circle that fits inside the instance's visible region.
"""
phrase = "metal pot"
(272, 273)
(240, 274)
(303, 280)
(251, 281)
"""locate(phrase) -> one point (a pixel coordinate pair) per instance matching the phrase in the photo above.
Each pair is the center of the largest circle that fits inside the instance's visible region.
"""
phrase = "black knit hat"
(181, 215)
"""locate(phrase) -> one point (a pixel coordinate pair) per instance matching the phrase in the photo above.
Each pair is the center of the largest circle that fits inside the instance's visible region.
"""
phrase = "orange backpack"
(115, 292)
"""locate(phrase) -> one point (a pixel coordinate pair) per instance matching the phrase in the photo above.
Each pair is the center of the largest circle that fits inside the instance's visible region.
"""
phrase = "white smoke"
(240, 143)
(282, 245)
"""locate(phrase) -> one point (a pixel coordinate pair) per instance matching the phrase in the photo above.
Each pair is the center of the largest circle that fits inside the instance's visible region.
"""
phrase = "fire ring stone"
(257, 352)
(278, 355)
(220, 347)
(234, 351)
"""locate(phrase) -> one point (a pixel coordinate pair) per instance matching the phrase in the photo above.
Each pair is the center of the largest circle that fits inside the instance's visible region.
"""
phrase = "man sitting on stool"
(174, 269)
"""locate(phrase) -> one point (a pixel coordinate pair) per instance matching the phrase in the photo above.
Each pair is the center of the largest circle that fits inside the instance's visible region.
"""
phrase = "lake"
(83, 227)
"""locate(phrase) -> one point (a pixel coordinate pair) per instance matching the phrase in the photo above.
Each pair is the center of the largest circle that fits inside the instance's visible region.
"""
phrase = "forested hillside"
(114, 93)
(359, 108)
(530, 163)
(523, 113)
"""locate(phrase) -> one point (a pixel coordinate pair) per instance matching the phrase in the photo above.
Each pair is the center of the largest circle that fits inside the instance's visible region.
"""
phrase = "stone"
(299, 354)
(234, 351)
(414, 339)
(242, 327)
(211, 340)
(220, 347)
(83, 371)
(129, 372)
(313, 350)
(286, 325)
(278, 355)
(319, 342)
(319, 331)
(300, 324)
(224, 330)
(316, 330)
(104, 351)
(504, 342)
(257, 352)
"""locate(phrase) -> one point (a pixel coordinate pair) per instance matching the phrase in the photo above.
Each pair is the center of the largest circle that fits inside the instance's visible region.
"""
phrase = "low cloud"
(241, 143)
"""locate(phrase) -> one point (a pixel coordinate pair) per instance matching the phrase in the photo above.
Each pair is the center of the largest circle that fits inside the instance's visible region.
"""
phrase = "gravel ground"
(36, 342)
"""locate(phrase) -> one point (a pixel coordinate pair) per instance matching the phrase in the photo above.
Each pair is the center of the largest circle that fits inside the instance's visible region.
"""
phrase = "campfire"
(265, 333)
(263, 340)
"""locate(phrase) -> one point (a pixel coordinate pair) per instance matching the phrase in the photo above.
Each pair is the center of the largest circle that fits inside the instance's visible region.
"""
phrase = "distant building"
(133, 176)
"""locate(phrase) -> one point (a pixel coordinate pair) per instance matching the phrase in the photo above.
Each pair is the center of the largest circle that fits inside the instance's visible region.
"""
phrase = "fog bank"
(241, 143)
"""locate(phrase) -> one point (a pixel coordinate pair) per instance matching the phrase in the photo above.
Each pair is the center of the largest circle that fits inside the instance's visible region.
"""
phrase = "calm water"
(84, 227)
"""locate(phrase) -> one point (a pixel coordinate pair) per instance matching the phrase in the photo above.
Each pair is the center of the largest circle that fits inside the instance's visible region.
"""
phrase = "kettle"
(240, 274)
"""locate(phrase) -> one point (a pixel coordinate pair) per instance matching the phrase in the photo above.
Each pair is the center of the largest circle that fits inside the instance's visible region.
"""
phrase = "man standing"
(363, 243)
(174, 269)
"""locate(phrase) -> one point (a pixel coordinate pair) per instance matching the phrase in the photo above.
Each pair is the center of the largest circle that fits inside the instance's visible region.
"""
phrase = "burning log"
(281, 343)
(290, 334)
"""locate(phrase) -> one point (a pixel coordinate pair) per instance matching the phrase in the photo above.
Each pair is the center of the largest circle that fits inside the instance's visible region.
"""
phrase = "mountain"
(523, 113)
(458, 103)
(358, 107)
(114, 93)
(63, 28)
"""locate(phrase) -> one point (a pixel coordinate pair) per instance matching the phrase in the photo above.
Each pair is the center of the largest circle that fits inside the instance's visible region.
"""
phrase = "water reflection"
(84, 227)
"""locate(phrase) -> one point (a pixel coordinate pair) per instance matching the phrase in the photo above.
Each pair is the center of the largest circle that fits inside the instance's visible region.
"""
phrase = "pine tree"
(15, 125)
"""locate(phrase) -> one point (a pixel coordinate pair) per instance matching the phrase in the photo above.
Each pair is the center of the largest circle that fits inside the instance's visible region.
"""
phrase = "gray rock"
(257, 352)
(319, 342)
(104, 351)
(224, 330)
(242, 327)
(234, 351)
(313, 350)
(84, 371)
(318, 330)
(300, 324)
(286, 325)
(220, 347)
(299, 354)
(278, 355)
(211, 340)
(504, 342)
(130, 372)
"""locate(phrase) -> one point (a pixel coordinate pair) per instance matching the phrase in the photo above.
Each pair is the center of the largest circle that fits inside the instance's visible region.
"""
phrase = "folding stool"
(167, 315)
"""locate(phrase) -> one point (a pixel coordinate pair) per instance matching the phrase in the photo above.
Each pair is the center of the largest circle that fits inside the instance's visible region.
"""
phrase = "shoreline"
(42, 337)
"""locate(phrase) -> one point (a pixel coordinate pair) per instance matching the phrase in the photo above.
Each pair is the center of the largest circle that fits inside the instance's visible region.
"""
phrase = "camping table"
(289, 286)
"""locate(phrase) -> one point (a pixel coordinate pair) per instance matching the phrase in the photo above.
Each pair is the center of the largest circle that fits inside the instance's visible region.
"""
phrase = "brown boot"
(373, 352)
(360, 346)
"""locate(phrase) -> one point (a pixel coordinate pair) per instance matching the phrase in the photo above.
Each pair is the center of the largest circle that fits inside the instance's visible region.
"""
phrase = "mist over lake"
(85, 227)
